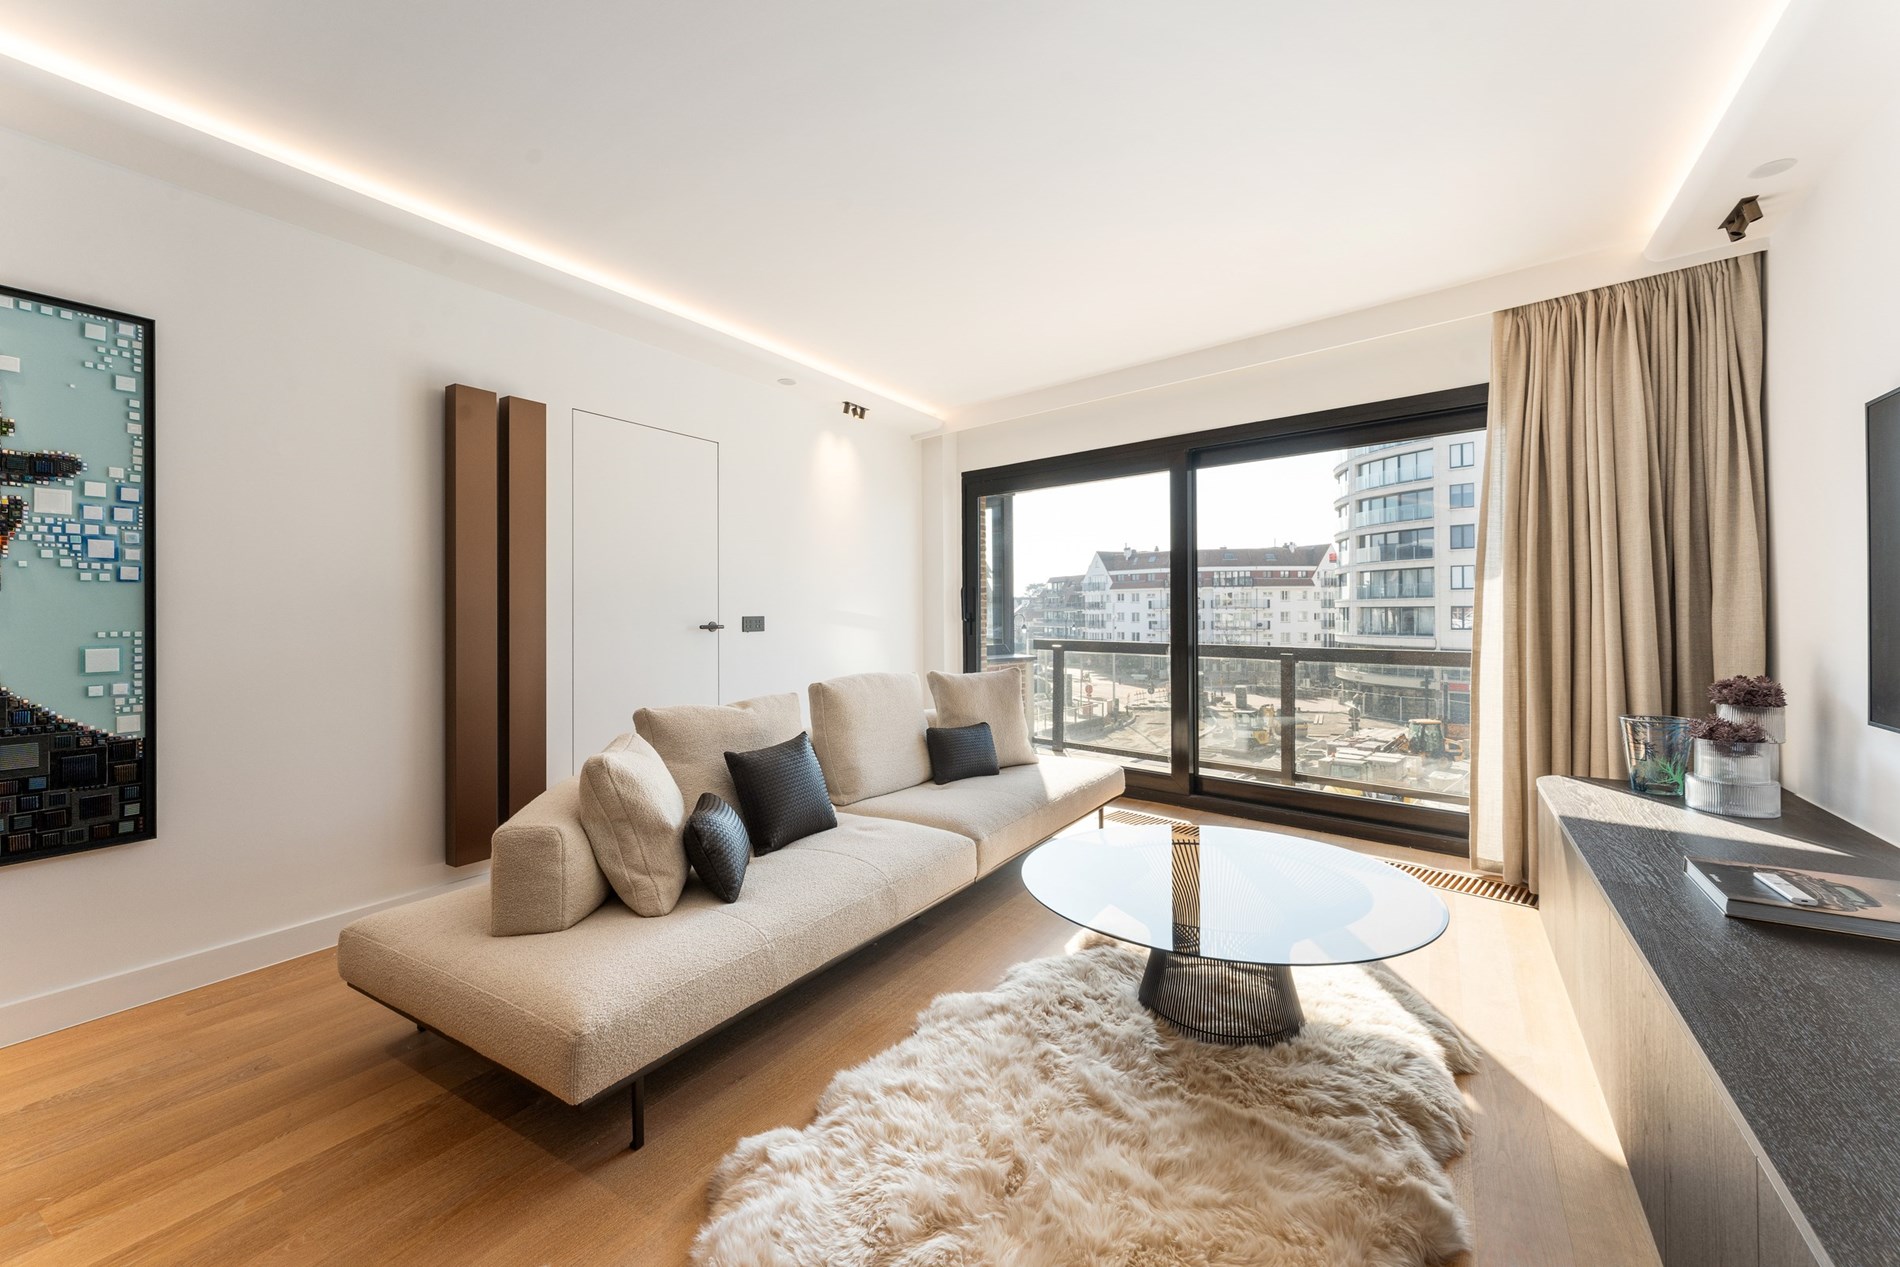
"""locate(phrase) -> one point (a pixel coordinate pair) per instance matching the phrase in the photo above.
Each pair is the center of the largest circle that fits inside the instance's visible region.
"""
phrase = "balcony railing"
(1349, 720)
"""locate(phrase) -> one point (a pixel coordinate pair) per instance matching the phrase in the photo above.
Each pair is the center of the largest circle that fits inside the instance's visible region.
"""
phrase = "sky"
(1250, 504)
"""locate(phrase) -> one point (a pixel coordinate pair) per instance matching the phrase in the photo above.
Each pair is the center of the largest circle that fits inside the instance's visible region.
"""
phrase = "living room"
(1032, 634)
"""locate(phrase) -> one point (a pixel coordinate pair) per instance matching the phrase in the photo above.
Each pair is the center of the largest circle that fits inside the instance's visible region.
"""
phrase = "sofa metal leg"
(1101, 816)
(639, 1099)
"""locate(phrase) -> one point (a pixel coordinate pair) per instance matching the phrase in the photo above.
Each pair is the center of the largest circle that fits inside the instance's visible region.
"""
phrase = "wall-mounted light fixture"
(1746, 212)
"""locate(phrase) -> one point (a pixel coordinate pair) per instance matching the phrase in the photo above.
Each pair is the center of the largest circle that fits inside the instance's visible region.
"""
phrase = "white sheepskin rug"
(1053, 1121)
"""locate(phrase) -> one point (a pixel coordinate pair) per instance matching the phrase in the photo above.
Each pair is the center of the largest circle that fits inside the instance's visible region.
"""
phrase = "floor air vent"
(1474, 883)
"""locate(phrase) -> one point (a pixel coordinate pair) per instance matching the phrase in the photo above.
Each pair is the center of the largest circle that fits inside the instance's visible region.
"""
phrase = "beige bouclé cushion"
(997, 696)
(632, 811)
(543, 877)
(693, 739)
(868, 732)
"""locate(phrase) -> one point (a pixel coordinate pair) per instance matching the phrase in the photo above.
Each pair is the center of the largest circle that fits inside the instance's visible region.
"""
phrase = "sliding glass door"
(1334, 644)
(1073, 581)
(1275, 620)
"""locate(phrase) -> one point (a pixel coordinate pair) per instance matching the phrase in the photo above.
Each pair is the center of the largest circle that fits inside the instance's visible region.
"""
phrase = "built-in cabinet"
(1752, 1071)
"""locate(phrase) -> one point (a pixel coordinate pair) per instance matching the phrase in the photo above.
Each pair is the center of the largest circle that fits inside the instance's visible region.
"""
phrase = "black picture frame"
(1883, 561)
(147, 828)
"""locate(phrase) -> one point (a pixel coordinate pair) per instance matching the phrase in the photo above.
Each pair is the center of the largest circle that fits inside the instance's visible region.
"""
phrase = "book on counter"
(1866, 906)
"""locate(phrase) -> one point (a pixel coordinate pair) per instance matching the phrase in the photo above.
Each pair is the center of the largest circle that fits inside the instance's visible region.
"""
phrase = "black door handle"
(712, 626)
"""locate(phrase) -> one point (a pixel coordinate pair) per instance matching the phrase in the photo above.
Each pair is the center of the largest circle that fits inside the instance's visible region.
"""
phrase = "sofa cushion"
(997, 696)
(575, 1012)
(1010, 812)
(961, 752)
(543, 876)
(868, 731)
(718, 846)
(781, 793)
(633, 814)
(832, 892)
(921, 864)
(693, 739)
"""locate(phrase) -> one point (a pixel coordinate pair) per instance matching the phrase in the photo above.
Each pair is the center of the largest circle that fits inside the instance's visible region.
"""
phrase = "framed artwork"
(76, 594)
(1883, 561)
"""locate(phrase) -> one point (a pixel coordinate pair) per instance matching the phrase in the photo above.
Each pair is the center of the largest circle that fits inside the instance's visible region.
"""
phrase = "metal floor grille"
(1474, 883)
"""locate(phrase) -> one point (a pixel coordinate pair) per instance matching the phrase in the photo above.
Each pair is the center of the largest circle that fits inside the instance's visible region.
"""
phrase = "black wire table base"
(1243, 1004)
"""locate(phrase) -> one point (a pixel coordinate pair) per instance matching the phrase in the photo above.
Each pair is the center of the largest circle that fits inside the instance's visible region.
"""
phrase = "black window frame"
(1395, 421)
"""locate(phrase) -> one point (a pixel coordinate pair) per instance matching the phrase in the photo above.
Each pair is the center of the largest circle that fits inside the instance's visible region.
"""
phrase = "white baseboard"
(57, 1009)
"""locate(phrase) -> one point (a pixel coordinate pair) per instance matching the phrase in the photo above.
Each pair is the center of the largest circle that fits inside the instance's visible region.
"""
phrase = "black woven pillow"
(717, 845)
(781, 793)
(961, 752)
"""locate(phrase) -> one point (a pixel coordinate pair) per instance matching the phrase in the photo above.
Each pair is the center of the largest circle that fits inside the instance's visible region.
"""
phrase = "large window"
(1394, 508)
(1403, 468)
(1394, 547)
(1060, 565)
(1231, 614)
(1395, 583)
(1397, 622)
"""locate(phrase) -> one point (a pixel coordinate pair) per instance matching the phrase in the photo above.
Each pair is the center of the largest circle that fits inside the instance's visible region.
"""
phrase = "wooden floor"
(282, 1118)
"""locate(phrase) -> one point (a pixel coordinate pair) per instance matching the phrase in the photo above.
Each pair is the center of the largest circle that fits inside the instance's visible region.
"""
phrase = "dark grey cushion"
(961, 752)
(718, 846)
(781, 793)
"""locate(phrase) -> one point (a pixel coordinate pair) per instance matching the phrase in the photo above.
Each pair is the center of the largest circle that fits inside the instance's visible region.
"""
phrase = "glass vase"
(1772, 720)
(1733, 800)
(1657, 749)
(1738, 762)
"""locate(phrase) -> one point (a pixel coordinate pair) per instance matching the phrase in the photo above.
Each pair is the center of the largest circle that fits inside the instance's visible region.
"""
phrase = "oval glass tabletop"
(1236, 894)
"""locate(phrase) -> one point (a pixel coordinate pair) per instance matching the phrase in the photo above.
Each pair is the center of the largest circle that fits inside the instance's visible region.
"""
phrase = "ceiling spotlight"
(1746, 212)
(1773, 167)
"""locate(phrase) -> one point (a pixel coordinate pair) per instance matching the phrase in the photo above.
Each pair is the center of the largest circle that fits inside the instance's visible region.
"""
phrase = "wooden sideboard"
(1752, 1070)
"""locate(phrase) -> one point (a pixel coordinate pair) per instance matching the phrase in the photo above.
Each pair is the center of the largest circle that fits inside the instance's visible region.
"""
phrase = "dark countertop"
(1802, 1027)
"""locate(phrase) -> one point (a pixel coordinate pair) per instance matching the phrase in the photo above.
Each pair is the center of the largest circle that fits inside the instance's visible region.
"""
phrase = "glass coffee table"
(1225, 912)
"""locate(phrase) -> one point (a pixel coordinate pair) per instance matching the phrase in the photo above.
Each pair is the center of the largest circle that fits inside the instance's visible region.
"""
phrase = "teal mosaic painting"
(76, 594)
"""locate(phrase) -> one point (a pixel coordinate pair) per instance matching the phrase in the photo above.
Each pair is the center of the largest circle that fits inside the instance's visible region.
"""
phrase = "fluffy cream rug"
(1053, 1121)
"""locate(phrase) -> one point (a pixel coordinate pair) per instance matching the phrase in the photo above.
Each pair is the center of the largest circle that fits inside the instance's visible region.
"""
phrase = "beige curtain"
(1624, 529)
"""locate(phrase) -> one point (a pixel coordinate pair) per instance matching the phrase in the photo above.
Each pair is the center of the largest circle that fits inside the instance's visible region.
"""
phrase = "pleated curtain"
(1623, 537)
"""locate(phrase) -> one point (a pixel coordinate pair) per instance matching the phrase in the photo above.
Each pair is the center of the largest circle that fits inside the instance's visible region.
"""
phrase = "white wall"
(1833, 345)
(297, 453)
(1432, 358)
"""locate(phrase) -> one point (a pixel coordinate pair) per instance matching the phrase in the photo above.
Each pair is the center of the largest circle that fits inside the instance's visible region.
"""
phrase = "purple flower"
(1748, 692)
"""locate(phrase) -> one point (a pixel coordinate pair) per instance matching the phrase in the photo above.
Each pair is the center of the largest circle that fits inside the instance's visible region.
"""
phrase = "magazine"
(1867, 906)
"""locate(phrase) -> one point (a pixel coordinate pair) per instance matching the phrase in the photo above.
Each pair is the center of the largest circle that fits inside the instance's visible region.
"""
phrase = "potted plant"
(1753, 699)
(1737, 769)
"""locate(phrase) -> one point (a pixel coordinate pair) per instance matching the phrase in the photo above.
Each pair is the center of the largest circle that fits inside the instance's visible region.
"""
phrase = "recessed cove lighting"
(1773, 167)
(468, 225)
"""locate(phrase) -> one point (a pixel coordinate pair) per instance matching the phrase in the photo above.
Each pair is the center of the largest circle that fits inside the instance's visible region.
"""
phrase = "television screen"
(1883, 561)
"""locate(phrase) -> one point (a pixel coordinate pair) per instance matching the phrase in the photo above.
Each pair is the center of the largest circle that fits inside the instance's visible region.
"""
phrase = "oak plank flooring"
(281, 1118)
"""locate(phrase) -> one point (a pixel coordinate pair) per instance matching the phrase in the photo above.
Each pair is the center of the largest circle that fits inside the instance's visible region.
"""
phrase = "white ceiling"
(961, 202)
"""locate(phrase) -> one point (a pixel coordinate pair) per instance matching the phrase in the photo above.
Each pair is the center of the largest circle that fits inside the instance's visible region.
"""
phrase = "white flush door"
(646, 574)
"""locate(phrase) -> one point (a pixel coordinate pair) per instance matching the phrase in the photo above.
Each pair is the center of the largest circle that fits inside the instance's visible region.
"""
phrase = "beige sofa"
(546, 972)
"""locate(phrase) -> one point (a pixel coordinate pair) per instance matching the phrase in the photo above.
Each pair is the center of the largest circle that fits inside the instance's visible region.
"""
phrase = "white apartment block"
(1407, 543)
(1257, 596)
